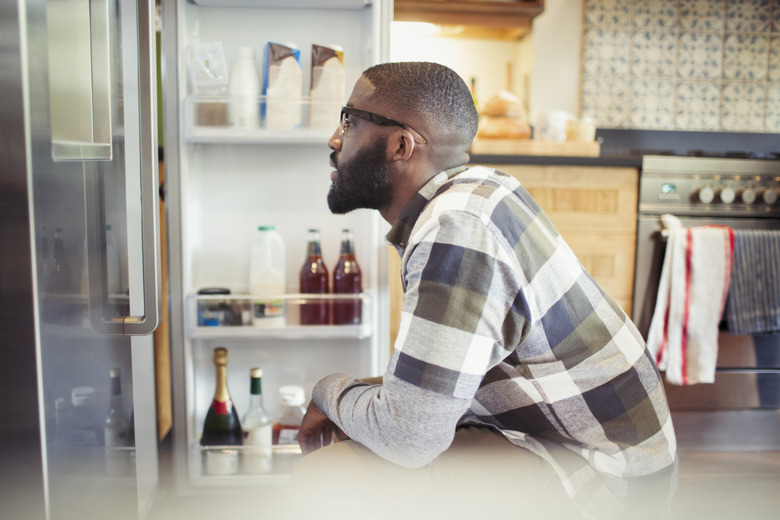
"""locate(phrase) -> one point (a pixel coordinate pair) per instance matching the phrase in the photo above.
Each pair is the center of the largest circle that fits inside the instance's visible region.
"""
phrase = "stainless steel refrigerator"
(80, 183)
(79, 259)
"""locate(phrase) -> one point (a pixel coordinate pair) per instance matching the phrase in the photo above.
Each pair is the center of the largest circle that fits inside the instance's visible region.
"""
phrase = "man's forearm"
(398, 421)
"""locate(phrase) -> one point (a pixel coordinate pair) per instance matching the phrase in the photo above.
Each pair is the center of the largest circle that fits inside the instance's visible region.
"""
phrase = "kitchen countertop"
(625, 148)
(627, 161)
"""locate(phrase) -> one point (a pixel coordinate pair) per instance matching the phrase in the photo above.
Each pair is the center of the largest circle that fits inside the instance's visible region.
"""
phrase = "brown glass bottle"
(314, 280)
(347, 279)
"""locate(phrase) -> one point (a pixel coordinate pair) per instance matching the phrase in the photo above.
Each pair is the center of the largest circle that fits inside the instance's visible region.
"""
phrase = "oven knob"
(769, 196)
(706, 195)
(726, 195)
(747, 195)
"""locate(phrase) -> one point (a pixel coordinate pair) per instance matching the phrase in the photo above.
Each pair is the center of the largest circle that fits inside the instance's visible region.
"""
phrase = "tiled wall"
(682, 64)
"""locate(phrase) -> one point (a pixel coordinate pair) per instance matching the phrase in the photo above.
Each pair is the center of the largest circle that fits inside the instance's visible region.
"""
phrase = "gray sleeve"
(398, 421)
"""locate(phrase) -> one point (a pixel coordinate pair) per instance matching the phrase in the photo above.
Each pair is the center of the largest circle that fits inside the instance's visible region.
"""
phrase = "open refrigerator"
(222, 182)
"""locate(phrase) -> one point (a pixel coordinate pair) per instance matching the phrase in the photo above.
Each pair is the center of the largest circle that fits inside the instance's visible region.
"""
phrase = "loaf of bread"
(503, 117)
(500, 127)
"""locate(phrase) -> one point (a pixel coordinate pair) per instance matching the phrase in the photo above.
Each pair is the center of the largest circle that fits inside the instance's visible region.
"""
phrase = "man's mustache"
(333, 160)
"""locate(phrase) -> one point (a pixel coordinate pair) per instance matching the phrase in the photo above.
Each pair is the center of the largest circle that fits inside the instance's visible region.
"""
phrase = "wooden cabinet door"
(594, 209)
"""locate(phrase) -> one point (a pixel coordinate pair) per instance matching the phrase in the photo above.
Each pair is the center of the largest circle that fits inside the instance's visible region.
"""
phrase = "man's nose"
(334, 142)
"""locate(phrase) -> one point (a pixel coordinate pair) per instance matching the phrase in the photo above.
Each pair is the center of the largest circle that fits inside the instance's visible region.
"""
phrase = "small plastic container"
(287, 450)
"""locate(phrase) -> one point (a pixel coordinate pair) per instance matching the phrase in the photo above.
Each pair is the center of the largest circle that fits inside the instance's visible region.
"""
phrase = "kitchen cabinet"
(594, 209)
(515, 16)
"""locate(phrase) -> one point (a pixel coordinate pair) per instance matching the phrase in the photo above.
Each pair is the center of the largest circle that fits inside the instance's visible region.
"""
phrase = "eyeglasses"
(376, 119)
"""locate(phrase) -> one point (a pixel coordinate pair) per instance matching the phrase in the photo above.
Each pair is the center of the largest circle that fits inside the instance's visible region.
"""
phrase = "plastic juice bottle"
(286, 426)
(266, 278)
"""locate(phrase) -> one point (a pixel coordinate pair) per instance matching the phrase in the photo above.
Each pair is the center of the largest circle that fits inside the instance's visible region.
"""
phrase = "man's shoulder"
(480, 179)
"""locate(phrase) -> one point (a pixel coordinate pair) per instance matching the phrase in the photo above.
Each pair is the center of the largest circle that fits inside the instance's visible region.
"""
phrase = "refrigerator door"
(224, 180)
(84, 244)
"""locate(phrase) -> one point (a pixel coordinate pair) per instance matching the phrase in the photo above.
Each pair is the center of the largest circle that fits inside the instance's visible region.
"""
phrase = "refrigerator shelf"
(215, 317)
(279, 121)
(284, 458)
(228, 135)
(294, 332)
(295, 4)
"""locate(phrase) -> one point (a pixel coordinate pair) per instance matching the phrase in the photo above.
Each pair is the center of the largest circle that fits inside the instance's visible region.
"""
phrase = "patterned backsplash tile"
(682, 64)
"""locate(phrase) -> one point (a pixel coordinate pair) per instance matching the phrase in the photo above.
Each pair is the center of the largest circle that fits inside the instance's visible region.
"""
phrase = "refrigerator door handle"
(146, 323)
(80, 80)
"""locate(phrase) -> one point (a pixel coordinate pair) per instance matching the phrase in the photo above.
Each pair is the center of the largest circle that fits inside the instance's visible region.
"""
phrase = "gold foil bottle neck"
(220, 356)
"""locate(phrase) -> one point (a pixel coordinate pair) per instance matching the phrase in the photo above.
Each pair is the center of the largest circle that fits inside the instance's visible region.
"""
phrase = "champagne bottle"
(347, 279)
(222, 428)
(258, 452)
(115, 425)
(314, 280)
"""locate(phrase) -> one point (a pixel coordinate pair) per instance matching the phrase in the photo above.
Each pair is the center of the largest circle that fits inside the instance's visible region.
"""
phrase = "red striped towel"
(695, 279)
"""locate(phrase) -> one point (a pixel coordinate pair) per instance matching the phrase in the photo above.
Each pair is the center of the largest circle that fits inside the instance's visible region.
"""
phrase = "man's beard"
(363, 182)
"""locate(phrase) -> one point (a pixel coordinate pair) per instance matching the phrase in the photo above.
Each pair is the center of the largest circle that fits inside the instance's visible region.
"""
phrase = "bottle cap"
(245, 52)
(256, 372)
(292, 395)
(115, 372)
(82, 396)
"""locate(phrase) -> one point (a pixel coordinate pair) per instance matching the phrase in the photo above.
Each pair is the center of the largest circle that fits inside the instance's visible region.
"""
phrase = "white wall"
(545, 65)
(557, 42)
(486, 60)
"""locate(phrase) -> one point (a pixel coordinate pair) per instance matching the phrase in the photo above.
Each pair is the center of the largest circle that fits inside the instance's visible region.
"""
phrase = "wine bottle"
(347, 279)
(258, 452)
(59, 281)
(115, 425)
(314, 280)
(222, 428)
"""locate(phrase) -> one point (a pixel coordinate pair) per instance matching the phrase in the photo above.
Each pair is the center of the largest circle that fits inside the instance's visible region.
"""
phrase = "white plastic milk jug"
(267, 278)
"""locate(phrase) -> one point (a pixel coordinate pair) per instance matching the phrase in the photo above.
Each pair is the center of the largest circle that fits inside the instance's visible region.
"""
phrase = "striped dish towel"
(754, 300)
(695, 278)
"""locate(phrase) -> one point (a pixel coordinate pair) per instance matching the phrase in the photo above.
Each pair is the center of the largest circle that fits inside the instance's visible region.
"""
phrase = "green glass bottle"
(222, 426)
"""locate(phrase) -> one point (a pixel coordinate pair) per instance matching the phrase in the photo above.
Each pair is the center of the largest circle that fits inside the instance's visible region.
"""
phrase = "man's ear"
(401, 145)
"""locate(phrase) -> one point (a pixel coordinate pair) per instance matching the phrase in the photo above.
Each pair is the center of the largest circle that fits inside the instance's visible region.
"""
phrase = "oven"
(741, 410)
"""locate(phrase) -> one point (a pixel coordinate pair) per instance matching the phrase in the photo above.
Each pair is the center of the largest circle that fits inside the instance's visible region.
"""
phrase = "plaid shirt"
(502, 327)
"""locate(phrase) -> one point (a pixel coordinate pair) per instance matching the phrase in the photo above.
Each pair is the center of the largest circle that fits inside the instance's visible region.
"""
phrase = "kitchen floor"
(728, 485)
(713, 485)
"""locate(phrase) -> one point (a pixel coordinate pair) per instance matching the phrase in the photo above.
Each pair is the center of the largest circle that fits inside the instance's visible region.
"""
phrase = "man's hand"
(317, 430)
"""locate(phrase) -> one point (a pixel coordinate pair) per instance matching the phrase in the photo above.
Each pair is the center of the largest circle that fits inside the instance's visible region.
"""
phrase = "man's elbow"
(418, 454)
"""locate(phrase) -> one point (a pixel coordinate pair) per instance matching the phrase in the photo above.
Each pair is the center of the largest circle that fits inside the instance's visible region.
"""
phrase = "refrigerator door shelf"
(279, 475)
(288, 328)
(281, 121)
(318, 4)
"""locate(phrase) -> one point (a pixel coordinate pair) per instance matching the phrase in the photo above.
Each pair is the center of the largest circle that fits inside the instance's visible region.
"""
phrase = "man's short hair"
(430, 91)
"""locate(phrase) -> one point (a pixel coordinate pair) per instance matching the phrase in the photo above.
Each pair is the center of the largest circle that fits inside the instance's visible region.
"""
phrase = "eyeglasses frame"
(378, 120)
